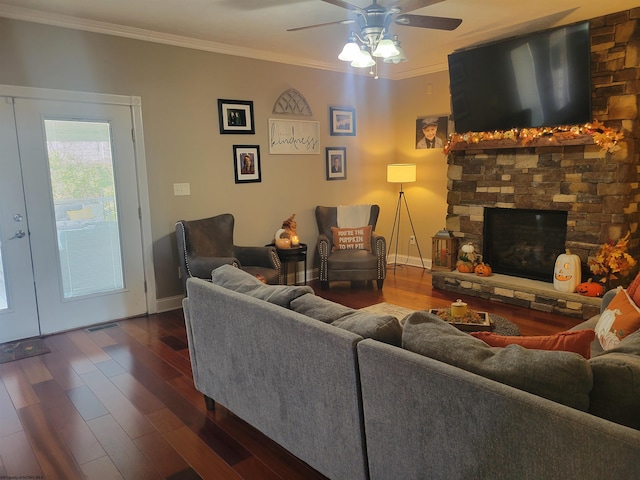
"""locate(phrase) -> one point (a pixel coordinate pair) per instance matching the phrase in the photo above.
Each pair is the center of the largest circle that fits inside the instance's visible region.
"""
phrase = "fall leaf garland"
(605, 137)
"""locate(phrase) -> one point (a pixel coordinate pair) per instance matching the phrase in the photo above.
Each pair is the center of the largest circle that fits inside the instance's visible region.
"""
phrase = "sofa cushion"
(616, 383)
(563, 377)
(233, 278)
(384, 328)
(577, 341)
(352, 238)
(619, 319)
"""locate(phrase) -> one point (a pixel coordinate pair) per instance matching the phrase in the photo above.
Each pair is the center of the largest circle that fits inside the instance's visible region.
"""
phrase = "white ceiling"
(258, 28)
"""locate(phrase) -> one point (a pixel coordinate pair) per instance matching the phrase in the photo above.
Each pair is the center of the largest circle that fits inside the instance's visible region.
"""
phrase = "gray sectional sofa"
(335, 387)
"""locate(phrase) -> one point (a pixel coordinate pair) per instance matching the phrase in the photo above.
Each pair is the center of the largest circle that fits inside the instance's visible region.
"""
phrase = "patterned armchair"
(206, 244)
(348, 263)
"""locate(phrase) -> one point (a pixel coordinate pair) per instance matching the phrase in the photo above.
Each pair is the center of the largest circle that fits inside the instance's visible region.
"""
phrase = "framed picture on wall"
(246, 161)
(236, 116)
(432, 132)
(342, 121)
(336, 163)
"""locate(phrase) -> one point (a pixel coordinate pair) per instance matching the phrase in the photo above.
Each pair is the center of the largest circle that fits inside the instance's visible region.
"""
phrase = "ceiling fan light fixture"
(364, 60)
(350, 51)
(385, 48)
(400, 57)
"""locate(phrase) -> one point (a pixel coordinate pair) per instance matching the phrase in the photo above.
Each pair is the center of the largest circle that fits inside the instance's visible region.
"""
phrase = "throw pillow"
(578, 341)
(619, 319)
(384, 328)
(634, 290)
(233, 278)
(562, 377)
(352, 238)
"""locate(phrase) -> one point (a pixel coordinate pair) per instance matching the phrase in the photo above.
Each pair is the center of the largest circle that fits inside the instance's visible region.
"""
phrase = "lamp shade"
(401, 172)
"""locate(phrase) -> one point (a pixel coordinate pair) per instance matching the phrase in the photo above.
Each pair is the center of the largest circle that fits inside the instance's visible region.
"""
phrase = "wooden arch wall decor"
(292, 102)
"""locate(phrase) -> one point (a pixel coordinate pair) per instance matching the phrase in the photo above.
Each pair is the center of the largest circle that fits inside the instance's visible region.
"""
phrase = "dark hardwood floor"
(119, 402)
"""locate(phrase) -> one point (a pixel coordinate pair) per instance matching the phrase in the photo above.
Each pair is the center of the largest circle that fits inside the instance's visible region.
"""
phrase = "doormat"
(22, 349)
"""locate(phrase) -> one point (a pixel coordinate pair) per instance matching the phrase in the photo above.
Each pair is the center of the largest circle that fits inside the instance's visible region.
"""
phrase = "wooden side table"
(292, 255)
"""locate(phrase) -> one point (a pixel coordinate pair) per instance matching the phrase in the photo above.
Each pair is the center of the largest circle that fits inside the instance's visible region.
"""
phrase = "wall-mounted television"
(537, 80)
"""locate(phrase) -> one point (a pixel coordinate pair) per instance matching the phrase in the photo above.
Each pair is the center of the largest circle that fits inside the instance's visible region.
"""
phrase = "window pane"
(83, 188)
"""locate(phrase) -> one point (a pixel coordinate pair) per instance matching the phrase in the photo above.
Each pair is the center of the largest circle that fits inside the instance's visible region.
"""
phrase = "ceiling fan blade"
(340, 3)
(407, 6)
(422, 21)
(338, 22)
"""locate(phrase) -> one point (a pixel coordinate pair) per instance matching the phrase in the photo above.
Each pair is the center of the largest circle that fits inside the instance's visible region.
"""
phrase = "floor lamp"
(401, 173)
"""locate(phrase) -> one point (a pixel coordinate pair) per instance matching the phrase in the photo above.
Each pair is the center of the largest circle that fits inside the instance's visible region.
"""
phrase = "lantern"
(444, 250)
(567, 272)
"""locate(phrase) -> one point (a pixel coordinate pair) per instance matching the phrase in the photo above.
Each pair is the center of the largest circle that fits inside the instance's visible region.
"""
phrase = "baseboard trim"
(167, 304)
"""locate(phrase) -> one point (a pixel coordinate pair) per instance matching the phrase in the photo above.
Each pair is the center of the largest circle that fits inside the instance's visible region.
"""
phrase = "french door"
(71, 250)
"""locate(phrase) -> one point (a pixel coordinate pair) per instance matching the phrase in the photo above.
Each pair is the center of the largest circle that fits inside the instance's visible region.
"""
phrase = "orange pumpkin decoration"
(590, 289)
(483, 270)
(465, 267)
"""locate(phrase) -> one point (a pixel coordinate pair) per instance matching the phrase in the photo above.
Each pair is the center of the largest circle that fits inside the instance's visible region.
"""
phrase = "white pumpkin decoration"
(468, 248)
(567, 273)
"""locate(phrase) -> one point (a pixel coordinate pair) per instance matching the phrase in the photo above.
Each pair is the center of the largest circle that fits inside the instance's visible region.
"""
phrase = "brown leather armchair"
(359, 265)
(206, 244)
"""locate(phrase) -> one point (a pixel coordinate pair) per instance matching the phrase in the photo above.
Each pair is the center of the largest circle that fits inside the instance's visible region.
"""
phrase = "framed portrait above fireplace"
(432, 132)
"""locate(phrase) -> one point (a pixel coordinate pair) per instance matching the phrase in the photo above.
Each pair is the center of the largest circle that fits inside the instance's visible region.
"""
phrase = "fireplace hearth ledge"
(523, 292)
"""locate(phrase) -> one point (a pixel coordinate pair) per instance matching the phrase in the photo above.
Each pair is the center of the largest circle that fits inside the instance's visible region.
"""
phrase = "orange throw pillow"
(620, 318)
(352, 238)
(577, 341)
(634, 290)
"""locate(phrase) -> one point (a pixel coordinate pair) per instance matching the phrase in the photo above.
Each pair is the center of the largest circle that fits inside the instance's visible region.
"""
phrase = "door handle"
(18, 234)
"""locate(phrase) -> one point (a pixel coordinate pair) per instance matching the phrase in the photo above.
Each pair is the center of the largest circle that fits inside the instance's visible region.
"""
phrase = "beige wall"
(179, 89)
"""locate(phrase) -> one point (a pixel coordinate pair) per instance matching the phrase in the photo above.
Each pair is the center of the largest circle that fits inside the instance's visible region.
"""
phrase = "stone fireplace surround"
(598, 190)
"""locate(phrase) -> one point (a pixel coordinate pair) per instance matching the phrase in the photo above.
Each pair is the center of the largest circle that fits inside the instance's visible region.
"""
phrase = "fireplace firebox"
(524, 243)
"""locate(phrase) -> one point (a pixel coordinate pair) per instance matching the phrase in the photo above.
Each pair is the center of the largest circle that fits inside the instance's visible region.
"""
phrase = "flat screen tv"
(537, 80)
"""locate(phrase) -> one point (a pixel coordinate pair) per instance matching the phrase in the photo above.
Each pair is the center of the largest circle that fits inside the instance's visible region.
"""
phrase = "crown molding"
(76, 23)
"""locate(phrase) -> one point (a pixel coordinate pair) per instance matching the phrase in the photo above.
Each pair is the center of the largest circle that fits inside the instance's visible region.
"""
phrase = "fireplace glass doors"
(524, 243)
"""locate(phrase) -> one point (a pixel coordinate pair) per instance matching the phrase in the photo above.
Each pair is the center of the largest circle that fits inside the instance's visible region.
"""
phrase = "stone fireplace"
(598, 190)
(522, 242)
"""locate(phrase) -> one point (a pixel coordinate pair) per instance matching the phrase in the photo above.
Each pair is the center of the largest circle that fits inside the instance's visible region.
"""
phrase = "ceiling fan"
(374, 23)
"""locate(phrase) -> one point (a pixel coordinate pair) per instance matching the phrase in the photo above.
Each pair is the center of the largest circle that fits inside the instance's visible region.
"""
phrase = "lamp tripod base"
(395, 230)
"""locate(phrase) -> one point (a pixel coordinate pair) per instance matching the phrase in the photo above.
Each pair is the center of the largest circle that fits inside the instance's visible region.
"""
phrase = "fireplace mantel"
(546, 141)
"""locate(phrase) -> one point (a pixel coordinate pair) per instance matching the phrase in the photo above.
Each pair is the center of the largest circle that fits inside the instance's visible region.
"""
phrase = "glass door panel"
(3, 288)
(84, 197)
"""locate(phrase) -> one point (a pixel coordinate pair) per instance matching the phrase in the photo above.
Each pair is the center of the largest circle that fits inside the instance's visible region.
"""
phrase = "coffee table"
(498, 325)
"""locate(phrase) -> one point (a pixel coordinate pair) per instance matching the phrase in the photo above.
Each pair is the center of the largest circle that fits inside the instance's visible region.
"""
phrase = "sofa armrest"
(265, 257)
(201, 267)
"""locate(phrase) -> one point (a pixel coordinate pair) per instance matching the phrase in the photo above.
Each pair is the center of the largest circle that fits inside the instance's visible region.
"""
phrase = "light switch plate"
(181, 189)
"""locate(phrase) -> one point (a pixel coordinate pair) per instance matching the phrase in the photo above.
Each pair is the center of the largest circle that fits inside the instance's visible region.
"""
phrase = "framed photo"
(343, 121)
(246, 161)
(236, 116)
(336, 163)
(432, 132)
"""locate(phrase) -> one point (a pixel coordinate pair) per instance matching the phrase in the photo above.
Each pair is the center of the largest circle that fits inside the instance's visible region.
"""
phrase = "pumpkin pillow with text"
(358, 238)
(578, 341)
(619, 319)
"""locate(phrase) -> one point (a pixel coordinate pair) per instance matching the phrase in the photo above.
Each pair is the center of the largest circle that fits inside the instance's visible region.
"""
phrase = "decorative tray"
(472, 322)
